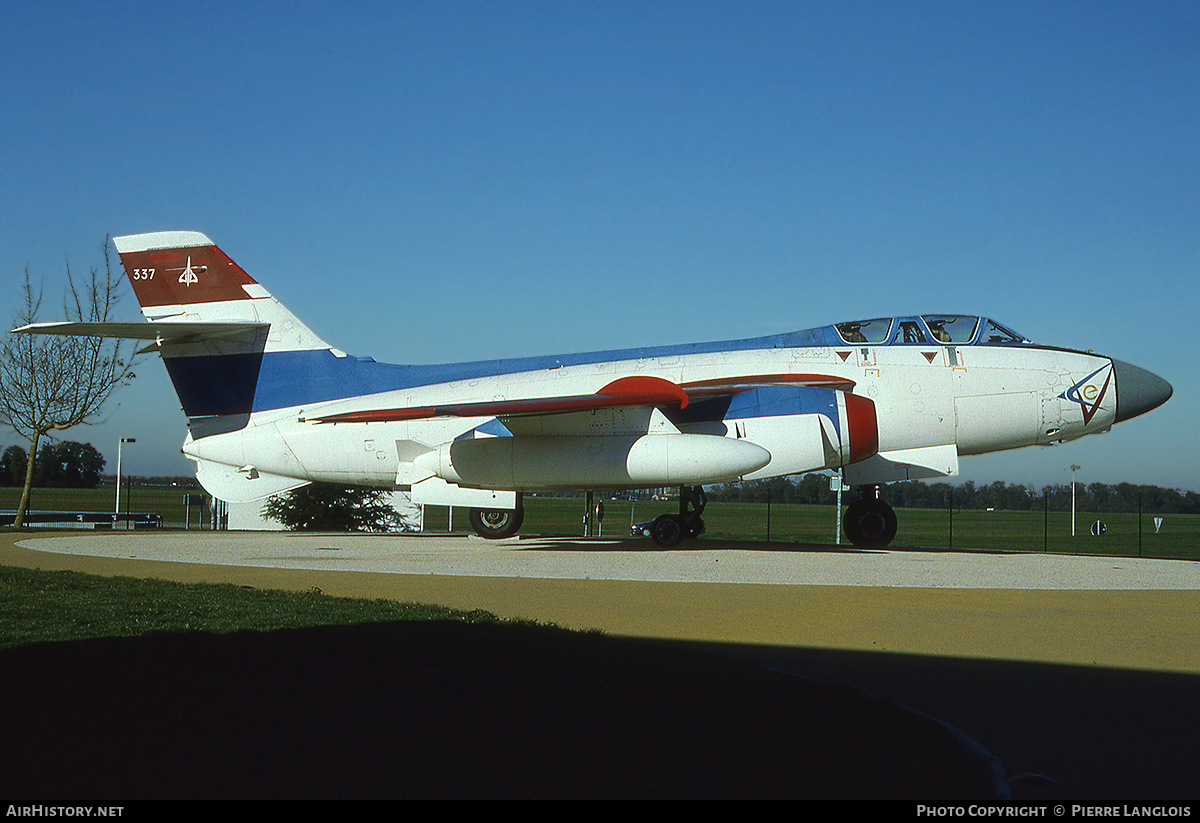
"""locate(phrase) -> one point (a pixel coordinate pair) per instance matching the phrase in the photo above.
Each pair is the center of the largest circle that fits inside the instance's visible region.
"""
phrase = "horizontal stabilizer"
(162, 331)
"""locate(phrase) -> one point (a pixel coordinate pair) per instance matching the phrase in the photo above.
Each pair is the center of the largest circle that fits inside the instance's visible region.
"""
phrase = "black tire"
(666, 530)
(497, 523)
(870, 523)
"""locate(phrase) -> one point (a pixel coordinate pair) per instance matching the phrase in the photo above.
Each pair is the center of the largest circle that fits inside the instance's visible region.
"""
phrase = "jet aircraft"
(272, 407)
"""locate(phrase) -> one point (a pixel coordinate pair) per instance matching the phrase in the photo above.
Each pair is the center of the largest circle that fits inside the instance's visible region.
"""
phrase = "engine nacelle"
(805, 428)
(569, 463)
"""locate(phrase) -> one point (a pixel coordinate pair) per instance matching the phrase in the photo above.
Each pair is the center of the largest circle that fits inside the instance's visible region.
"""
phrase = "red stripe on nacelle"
(863, 428)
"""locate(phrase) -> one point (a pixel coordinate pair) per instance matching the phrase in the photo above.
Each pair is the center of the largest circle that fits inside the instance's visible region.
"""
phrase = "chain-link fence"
(1090, 530)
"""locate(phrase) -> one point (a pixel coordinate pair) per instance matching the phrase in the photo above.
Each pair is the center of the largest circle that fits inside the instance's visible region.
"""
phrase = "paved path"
(601, 559)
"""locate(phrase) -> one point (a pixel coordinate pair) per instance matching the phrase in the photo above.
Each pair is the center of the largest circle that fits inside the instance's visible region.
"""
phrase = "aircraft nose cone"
(1138, 391)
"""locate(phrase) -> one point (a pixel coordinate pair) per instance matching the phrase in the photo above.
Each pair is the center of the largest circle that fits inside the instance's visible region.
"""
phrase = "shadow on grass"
(450, 709)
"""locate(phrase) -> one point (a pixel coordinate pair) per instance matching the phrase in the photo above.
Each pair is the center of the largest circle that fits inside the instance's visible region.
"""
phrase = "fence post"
(950, 501)
(1139, 524)
(1045, 521)
(768, 514)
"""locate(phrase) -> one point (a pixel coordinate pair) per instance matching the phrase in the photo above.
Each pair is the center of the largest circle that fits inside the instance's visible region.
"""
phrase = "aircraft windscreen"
(993, 332)
(865, 331)
(947, 329)
(951, 328)
(910, 332)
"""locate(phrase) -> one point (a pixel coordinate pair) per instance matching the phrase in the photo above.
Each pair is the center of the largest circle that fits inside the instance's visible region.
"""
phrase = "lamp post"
(117, 508)
(1073, 470)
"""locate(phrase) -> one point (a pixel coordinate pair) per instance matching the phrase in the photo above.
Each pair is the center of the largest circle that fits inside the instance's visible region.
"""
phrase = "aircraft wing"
(625, 391)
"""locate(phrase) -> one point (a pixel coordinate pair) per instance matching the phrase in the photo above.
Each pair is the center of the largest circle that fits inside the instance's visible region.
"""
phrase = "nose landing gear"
(869, 521)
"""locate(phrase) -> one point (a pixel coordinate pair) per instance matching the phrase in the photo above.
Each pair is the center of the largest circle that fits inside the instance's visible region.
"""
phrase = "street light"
(117, 508)
(1073, 470)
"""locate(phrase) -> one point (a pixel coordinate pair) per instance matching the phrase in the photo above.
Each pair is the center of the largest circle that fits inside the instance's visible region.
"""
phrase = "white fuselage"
(974, 399)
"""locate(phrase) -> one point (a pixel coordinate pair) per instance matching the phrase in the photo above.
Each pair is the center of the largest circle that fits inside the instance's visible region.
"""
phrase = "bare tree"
(51, 383)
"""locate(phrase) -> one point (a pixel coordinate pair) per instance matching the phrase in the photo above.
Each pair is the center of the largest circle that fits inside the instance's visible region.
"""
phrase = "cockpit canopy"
(928, 329)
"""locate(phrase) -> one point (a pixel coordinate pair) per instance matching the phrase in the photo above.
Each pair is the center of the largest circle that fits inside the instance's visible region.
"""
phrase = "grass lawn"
(40, 606)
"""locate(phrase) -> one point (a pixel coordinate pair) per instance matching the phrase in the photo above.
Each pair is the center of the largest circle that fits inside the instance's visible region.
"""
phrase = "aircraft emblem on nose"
(1088, 395)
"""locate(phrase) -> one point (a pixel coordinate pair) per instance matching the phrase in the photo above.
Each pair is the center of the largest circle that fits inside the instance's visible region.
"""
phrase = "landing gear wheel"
(497, 523)
(666, 530)
(870, 523)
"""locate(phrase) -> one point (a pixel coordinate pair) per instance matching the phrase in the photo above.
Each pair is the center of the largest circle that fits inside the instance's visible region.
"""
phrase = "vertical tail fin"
(248, 353)
(181, 276)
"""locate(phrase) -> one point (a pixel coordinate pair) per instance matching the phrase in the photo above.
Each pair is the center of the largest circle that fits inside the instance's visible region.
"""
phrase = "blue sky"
(438, 181)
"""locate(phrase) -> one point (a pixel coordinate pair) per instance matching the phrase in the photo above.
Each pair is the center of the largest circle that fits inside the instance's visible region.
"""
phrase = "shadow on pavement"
(1063, 731)
(451, 709)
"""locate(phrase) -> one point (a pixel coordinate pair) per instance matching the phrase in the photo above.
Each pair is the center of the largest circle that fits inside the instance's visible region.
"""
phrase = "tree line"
(66, 465)
(913, 494)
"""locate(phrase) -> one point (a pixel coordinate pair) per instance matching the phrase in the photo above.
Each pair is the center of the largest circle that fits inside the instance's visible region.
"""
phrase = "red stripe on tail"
(169, 277)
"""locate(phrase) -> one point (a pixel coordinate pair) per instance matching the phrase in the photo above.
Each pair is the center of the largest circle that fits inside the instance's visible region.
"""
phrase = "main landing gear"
(869, 522)
(668, 529)
(497, 523)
